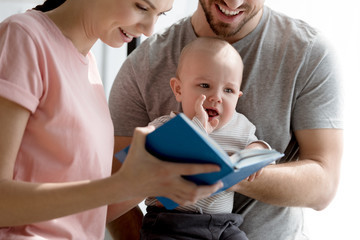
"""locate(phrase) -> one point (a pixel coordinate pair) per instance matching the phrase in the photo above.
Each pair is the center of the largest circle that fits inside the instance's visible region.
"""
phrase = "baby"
(207, 84)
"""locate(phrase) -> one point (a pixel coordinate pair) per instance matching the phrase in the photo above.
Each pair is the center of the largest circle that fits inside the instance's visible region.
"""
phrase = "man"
(291, 93)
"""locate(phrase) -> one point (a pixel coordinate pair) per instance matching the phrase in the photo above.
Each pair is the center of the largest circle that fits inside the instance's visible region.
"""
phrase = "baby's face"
(216, 77)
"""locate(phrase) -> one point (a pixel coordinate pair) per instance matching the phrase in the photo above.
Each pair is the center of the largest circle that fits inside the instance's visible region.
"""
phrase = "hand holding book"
(191, 145)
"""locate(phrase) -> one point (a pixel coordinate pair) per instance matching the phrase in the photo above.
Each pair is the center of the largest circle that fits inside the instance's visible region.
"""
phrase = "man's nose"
(233, 4)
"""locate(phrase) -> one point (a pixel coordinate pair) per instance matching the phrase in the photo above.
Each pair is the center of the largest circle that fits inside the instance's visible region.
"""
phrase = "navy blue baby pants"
(161, 224)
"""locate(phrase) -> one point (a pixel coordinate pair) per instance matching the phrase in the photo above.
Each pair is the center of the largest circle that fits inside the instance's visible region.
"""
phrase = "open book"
(179, 140)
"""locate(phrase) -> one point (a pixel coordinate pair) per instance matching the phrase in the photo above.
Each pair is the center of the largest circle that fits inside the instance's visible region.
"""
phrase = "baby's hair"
(49, 5)
(206, 43)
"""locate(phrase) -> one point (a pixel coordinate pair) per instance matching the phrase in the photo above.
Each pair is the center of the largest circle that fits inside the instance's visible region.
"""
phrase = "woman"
(56, 138)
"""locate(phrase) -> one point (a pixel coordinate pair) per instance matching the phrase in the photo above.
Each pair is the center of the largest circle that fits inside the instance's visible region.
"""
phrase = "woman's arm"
(140, 176)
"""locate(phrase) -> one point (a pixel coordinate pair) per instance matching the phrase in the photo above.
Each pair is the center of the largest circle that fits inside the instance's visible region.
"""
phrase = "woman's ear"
(175, 84)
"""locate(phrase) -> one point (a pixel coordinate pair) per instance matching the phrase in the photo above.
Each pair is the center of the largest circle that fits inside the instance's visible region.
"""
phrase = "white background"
(340, 22)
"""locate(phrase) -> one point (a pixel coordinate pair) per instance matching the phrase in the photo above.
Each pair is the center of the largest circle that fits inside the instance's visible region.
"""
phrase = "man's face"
(228, 17)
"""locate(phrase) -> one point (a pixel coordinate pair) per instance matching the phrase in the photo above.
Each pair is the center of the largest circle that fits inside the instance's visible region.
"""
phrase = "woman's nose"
(147, 26)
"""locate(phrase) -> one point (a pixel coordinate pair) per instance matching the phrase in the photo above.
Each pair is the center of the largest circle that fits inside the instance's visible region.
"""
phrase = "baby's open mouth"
(211, 112)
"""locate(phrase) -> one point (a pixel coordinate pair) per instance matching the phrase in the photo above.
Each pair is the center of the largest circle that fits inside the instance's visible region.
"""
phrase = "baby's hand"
(203, 117)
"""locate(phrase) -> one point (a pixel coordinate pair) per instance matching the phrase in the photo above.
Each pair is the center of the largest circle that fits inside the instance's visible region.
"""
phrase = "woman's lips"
(126, 36)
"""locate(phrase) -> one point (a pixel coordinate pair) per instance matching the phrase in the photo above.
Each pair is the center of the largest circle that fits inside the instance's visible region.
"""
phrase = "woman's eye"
(141, 7)
(204, 85)
(145, 9)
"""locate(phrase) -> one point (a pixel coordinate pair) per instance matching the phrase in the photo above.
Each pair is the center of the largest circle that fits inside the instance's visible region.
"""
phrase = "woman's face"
(119, 21)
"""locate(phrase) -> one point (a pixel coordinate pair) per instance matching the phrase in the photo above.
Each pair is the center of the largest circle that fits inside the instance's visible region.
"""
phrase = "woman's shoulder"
(25, 19)
(28, 22)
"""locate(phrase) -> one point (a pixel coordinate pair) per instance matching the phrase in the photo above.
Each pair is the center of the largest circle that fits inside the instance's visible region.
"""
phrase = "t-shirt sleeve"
(319, 102)
(20, 75)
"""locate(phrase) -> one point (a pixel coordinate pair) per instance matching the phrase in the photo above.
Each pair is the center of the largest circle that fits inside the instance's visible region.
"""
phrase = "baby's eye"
(204, 85)
(228, 90)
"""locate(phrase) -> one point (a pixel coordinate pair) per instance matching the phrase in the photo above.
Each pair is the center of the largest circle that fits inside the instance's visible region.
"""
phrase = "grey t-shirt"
(290, 83)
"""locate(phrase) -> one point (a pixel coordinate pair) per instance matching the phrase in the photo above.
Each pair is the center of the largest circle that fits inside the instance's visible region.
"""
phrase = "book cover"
(179, 140)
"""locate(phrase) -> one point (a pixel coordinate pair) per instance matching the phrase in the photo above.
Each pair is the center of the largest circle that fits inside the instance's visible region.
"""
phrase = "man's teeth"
(227, 12)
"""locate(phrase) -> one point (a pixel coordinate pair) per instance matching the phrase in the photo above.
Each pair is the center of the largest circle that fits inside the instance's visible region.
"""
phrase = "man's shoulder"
(174, 35)
(163, 48)
(293, 28)
(292, 35)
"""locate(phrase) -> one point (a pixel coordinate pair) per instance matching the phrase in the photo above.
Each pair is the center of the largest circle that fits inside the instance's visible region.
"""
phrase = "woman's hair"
(49, 5)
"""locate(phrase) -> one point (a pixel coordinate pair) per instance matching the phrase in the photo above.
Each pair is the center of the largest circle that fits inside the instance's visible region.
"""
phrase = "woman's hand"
(149, 176)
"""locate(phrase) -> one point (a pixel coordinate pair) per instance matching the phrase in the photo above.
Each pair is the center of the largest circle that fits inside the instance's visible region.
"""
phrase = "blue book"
(179, 140)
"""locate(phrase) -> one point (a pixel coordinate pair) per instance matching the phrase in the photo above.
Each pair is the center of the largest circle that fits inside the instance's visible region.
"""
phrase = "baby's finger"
(200, 100)
(214, 122)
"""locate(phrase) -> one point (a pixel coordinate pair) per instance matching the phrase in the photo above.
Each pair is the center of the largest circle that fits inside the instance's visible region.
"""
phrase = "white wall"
(340, 21)
(9, 7)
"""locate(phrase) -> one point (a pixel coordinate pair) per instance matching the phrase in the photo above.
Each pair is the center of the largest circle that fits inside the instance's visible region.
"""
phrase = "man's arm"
(310, 182)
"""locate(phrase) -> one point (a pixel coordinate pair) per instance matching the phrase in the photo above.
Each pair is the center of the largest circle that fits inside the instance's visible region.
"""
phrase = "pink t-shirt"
(69, 135)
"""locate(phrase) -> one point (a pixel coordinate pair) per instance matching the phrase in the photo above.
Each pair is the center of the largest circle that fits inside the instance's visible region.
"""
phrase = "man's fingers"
(251, 177)
(258, 173)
